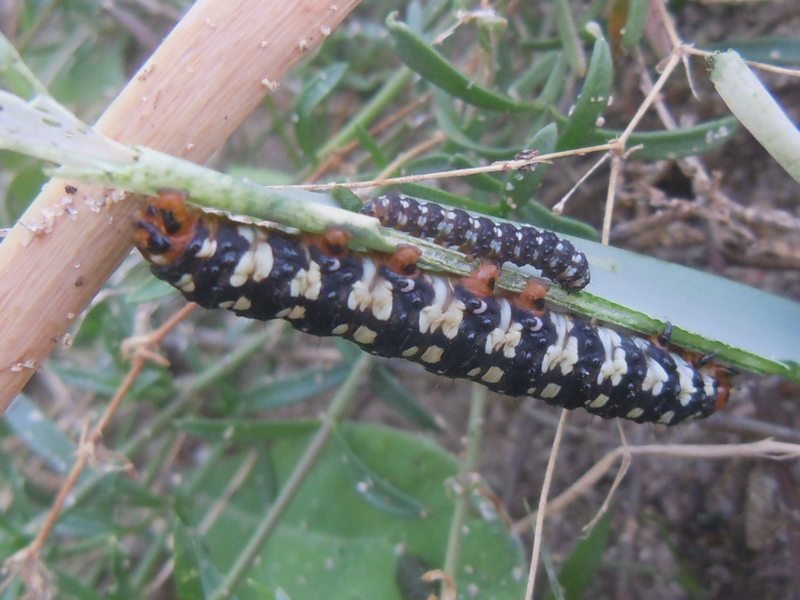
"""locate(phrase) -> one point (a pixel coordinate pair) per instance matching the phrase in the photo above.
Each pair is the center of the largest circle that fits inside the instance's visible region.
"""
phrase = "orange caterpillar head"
(165, 226)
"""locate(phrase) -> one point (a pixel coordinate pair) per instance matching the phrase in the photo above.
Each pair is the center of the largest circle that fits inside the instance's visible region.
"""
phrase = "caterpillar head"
(165, 226)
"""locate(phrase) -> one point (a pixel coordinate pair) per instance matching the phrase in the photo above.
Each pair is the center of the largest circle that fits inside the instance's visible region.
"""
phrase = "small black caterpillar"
(556, 258)
(457, 327)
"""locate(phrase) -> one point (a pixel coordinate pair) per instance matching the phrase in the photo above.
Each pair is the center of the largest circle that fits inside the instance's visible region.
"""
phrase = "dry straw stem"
(204, 79)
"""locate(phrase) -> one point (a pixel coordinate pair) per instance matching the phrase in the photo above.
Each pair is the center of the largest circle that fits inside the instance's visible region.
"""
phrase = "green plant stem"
(330, 420)
(477, 409)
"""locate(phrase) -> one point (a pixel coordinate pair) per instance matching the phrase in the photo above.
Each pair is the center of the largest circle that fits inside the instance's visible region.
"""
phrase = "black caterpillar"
(457, 327)
(556, 258)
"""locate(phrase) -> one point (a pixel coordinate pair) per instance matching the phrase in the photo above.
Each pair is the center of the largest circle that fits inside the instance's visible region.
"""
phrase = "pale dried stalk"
(204, 79)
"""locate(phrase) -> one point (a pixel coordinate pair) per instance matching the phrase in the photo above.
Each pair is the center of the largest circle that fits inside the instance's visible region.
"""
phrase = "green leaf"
(573, 48)
(634, 24)
(307, 127)
(429, 64)
(584, 561)
(195, 577)
(150, 290)
(389, 389)
(757, 110)
(330, 534)
(774, 50)
(675, 143)
(245, 431)
(447, 120)
(290, 389)
(346, 199)
(40, 434)
(521, 186)
(377, 491)
(592, 100)
(643, 293)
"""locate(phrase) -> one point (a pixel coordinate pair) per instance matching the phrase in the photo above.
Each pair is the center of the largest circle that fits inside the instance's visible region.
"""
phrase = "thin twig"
(542, 509)
(495, 167)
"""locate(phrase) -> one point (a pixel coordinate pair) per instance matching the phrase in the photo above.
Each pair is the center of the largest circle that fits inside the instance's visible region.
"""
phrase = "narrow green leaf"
(584, 561)
(307, 126)
(447, 120)
(389, 389)
(593, 99)
(520, 186)
(757, 110)
(675, 143)
(149, 290)
(346, 199)
(634, 24)
(245, 431)
(433, 67)
(40, 434)
(535, 75)
(774, 50)
(372, 148)
(375, 489)
(195, 576)
(293, 388)
(573, 48)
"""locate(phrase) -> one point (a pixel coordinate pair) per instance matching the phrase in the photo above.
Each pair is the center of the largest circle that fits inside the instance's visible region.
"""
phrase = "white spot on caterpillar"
(635, 413)
(226, 304)
(264, 261)
(497, 337)
(341, 329)
(709, 386)
(185, 283)
(550, 390)
(451, 319)
(158, 259)
(667, 417)
(360, 297)
(431, 316)
(615, 365)
(297, 312)
(512, 338)
(308, 283)
(492, 375)
(655, 377)
(474, 372)
(432, 355)
(382, 300)
(208, 249)
(409, 352)
(364, 335)
(685, 380)
(553, 355)
(599, 402)
(244, 268)
(282, 313)
(243, 303)
(570, 355)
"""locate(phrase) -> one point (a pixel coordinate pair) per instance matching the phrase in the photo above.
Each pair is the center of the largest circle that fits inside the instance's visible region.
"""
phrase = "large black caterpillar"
(521, 245)
(457, 327)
